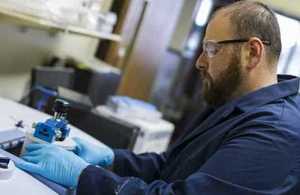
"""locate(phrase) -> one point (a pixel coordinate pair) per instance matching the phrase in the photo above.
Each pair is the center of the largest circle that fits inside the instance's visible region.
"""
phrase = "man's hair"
(255, 19)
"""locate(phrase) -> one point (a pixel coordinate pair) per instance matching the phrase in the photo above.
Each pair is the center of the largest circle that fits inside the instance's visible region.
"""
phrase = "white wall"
(23, 48)
(291, 7)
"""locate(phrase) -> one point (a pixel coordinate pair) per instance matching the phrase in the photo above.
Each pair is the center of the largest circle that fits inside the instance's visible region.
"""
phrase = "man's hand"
(100, 155)
(54, 163)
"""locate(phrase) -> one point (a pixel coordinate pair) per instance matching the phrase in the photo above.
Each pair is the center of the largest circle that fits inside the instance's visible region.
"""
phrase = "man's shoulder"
(281, 117)
(282, 111)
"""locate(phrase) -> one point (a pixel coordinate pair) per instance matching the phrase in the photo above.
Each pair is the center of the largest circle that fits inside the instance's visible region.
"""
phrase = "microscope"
(54, 130)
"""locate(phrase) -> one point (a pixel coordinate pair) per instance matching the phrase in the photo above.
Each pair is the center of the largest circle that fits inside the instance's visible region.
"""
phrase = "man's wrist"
(110, 167)
(107, 160)
(80, 171)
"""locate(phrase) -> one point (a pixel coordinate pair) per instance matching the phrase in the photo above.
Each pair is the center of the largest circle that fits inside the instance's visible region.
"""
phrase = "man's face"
(218, 87)
(221, 73)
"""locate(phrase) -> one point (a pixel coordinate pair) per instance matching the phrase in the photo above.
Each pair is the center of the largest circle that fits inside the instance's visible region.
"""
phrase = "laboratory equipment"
(7, 168)
(54, 130)
(14, 121)
(154, 132)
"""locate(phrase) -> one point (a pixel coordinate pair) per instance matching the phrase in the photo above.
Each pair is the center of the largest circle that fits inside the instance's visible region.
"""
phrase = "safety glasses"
(211, 48)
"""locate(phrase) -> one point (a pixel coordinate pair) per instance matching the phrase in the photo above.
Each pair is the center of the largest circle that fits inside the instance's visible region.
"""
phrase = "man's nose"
(201, 62)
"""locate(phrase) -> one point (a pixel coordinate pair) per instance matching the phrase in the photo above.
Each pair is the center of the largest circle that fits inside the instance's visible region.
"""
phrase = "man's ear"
(255, 49)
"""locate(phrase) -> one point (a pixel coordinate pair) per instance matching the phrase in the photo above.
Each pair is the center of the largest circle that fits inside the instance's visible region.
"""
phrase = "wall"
(151, 45)
(24, 48)
(290, 7)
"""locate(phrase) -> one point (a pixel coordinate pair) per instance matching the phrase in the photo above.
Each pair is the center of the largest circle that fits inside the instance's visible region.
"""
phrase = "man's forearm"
(145, 166)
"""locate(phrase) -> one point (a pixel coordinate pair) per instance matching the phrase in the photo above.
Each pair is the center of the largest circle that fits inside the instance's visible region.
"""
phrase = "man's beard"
(217, 92)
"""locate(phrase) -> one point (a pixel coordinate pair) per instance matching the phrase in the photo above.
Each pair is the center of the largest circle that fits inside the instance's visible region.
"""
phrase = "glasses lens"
(210, 48)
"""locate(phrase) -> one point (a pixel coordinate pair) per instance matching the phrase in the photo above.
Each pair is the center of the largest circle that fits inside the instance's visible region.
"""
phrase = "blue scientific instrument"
(56, 128)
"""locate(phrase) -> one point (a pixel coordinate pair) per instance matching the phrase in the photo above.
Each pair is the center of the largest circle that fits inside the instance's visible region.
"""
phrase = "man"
(246, 142)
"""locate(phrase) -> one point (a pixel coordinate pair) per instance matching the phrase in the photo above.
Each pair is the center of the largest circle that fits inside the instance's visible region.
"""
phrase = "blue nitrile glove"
(99, 154)
(54, 163)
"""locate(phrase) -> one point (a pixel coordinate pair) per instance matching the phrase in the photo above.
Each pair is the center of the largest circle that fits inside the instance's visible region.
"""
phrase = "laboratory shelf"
(34, 21)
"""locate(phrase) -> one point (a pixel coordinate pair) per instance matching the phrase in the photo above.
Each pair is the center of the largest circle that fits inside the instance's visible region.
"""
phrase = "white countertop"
(11, 112)
(22, 182)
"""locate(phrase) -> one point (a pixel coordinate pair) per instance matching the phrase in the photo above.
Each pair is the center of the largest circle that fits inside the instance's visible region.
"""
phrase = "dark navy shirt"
(248, 146)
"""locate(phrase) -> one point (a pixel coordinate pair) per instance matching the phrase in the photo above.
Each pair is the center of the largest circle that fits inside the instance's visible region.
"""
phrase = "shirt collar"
(287, 85)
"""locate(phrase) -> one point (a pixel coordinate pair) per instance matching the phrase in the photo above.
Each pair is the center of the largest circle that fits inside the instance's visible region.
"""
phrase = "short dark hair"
(255, 19)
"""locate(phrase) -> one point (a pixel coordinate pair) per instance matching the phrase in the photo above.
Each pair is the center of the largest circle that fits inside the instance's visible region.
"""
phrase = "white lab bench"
(22, 182)
(11, 112)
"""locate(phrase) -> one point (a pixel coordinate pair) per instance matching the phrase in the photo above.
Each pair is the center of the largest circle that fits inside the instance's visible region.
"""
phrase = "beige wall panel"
(151, 44)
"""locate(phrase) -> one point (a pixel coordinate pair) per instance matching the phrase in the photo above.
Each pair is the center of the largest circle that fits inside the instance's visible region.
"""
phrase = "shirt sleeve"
(146, 166)
(257, 161)
(98, 181)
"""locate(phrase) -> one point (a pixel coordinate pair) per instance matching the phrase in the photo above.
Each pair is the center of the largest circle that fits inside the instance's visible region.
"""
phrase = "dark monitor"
(52, 78)
(103, 85)
(109, 130)
(75, 98)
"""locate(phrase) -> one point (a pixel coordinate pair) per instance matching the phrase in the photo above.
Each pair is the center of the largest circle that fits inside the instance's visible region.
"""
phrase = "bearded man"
(246, 142)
